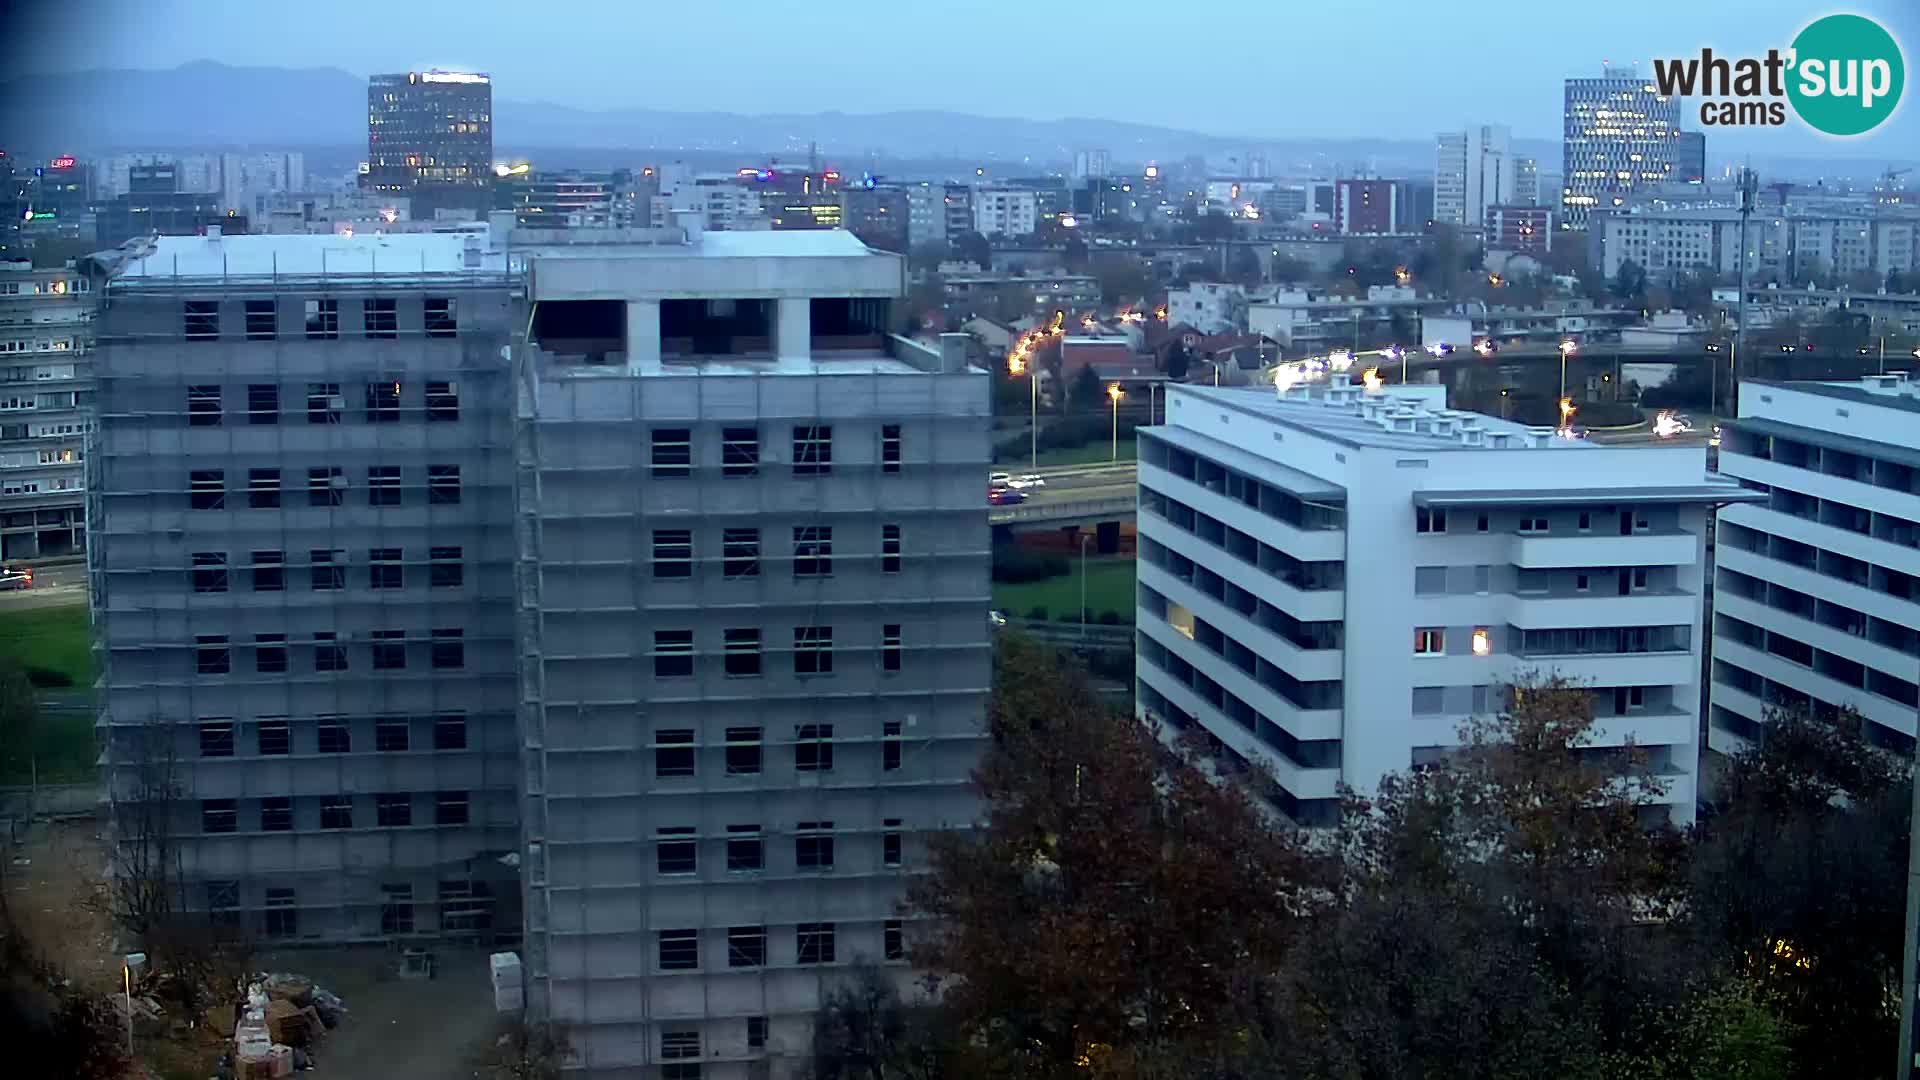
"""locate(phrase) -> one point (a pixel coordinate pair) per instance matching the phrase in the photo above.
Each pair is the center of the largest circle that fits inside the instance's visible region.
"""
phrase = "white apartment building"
(1003, 211)
(1473, 169)
(1797, 243)
(1817, 586)
(1526, 181)
(1332, 580)
(1211, 307)
(724, 204)
(46, 391)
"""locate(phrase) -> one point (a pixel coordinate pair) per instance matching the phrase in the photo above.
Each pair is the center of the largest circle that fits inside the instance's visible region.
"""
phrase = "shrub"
(47, 678)
(1015, 565)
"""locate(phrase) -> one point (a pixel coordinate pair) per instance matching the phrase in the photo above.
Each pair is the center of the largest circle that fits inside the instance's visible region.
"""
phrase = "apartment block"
(1332, 580)
(46, 390)
(1816, 598)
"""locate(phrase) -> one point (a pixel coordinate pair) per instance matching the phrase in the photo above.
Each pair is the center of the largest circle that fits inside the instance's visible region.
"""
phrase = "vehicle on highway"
(1030, 480)
(996, 618)
(1006, 497)
(12, 577)
(999, 480)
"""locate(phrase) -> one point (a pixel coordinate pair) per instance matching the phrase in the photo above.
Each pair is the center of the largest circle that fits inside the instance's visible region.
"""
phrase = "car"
(15, 578)
(1006, 497)
(1028, 481)
(999, 480)
(996, 618)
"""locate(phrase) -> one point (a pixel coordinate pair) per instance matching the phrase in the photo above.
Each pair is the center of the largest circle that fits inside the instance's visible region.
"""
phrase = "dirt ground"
(57, 896)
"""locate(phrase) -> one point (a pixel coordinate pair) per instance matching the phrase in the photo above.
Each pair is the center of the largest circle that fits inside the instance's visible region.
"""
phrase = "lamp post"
(1114, 394)
(1017, 364)
(1566, 349)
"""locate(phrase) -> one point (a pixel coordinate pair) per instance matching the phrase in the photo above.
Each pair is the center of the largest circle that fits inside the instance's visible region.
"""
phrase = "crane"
(1889, 192)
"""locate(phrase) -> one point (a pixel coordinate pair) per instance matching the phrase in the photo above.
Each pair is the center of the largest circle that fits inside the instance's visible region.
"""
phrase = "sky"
(1389, 68)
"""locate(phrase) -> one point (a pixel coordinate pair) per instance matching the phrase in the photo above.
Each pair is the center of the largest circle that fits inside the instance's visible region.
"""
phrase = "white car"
(996, 618)
(1028, 481)
(999, 480)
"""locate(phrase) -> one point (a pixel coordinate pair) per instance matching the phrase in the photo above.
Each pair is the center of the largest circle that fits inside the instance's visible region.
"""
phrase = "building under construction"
(681, 497)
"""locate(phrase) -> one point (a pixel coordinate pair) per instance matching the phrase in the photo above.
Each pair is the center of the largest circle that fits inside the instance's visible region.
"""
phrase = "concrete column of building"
(643, 336)
(793, 332)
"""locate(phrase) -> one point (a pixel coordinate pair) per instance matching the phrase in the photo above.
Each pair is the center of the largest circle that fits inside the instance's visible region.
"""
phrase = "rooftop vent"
(1473, 435)
(1499, 440)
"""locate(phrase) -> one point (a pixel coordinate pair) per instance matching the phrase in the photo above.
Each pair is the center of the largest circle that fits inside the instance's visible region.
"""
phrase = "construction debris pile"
(279, 1029)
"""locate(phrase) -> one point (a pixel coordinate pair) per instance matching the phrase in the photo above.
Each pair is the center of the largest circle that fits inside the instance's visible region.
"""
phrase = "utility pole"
(1749, 184)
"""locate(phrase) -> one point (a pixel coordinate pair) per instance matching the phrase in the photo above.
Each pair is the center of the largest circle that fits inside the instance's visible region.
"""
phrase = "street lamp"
(1016, 364)
(1566, 349)
(1114, 394)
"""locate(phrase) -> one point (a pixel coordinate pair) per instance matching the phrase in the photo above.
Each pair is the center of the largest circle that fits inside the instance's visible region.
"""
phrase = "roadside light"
(1115, 392)
(1484, 348)
(1016, 366)
(1567, 348)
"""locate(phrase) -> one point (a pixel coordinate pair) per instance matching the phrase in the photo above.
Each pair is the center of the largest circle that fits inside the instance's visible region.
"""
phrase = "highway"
(1077, 483)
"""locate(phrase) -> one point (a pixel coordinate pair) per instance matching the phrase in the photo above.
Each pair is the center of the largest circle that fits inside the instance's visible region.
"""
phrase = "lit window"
(1482, 641)
(1429, 641)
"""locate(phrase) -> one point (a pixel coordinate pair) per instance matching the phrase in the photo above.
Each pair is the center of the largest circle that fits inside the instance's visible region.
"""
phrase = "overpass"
(1038, 512)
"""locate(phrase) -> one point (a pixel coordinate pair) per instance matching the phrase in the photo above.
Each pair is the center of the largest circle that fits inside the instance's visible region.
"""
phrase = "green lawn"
(55, 638)
(1093, 453)
(1109, 588)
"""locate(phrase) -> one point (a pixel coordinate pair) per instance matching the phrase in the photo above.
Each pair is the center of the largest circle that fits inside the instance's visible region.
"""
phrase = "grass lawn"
(63, 745)
(1094, 453)
(54, 638)
(1109, 588)
(50, 637)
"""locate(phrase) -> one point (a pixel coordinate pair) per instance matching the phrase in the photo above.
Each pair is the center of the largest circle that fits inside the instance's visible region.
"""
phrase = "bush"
(47, 678)
(1037, 613)
(1016, 566)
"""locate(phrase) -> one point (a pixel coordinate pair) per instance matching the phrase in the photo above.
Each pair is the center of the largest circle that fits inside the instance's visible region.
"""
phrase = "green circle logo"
(1847, 75)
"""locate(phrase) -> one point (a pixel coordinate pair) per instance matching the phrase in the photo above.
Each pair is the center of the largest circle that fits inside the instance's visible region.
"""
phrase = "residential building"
(1413, 208)
(1521, 230)
(971, 292)
(1621, 135)
(1816, 600)
(1301, 318)
(46, 390)
(1365, 206)
(1526, 182)
(752, 546)
(927, 213)
(879, 215)
(1795, 243)
(1474, 169)
(1005, 211)
(1211, 307)
(430, 137)
(1090, 164)
(569, 199)
(1333, 580)
(58, 203)
(725, 205)
(820, 210)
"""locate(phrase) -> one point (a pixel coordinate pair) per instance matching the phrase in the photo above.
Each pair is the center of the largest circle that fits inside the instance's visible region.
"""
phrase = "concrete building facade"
(1473, 169)
(46, 391)
(1003, 211)
(1333, 580)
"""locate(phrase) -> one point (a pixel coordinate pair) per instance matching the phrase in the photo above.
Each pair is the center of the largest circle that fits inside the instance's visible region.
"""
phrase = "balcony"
(1674, 668)
(1300, 782)
(1584, 550)
(1645, 608)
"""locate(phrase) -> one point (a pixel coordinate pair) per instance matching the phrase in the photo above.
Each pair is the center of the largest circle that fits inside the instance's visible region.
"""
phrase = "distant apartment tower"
(1334, 580)
(1522, 230)
(1526, 182)
(878, 215)
(301, 570)
(1090, 164)
(46, 390)
(430, 138)
(754, 655)
(1474, 169)
(1816, 598)
(1690, 158)
(1413, 210)
(1621, 134)
(1366, 206)
(1005, 211)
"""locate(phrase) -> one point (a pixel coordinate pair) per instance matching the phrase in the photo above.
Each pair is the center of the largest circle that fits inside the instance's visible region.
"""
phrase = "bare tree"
(144, 792)
(529, 1050)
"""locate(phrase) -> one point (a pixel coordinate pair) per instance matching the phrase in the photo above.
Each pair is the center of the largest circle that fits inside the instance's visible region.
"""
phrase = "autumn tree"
(866, 1030)
(1116, 902)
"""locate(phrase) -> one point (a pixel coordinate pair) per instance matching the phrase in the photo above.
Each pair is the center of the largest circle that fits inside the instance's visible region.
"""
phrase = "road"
(1080, 482)
(61, 583)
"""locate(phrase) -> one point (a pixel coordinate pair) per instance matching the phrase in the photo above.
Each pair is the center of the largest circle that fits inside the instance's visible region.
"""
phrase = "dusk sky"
(1391, 68)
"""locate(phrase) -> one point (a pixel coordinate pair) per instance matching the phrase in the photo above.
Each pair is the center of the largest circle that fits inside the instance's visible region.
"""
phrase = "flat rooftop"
(1894, 390)
(1340, 414)
(310, 255)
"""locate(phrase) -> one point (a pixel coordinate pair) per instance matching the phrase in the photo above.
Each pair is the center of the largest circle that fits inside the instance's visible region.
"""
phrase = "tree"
(926, 258)
(1088, 393)
(972, 247)
(1630, 283)
(1179, 359)
(1116, 901)
(864, 1030)
(1122, 277)
(1244, 267)
(19, 718)
(144, 871)
(1286, 268)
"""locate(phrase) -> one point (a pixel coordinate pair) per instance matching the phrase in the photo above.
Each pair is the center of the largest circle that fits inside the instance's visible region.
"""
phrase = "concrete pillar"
(793, 332)
(953, 352)
(643, 336)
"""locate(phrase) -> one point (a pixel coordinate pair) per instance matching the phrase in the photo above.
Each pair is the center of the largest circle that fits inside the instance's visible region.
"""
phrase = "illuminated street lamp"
(1566, 349)
(1114, 394)
(1016, 365)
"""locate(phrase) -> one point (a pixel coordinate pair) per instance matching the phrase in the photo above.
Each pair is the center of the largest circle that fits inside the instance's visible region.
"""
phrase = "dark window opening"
(442, 316)
(582, 331)
(382, 317)
(716, 328)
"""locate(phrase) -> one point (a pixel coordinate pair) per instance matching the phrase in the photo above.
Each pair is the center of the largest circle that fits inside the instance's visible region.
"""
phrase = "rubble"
(279, 1029)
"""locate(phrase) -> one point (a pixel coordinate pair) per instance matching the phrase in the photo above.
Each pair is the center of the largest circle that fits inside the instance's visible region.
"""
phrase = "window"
(336, 811)
(444, 571)
(813, 747)
(269, 573)
(209, 571)
(739, 451)
(384, 570)
(1637, 579)
(680, 951)
(326, 486)
(672, 654)
(383, 485)
(210, 654)
(393, 810)
(744, 851)
(673, 753)
(323, 319)
(390, 734)
(813, 650)
(274, 736)
(742, 652)
(216, 738)
(812, 449)
(443, 401)
(201, 319)
(813, 943)
(672, 452)
(679, 1044)
(263, 488)
(442, 316)
(263, 403)
(219, 816)
(746, 946)
(1429, 521)
(261, 319)
(329, 570)
(327, 653)
(1482, 641)
(812, 551)
(889, 549)
(209, 489)
(1586, 521)
(680, 1070)
(890, 842)
(813, 845)
(890, 745)
(743, 751)
(894, 940)
(396, 909)
(756, 1032)
(381, 317)
(465, 906)
(889, 448)
(1480, 523)
(324, 403)
(383, 402)
(890, 647)
(676, 852)
(1429, 641)
(449, 649)
(270, 654)
(276, 814)
(389, 650)
(450, 808)
(1581, 582)
(672, 553)
(223, 902)
(443, 485)
(740, 553)
(1532, 524)
(333, 736)
(203, 406)
(283, 918)
(450, 731)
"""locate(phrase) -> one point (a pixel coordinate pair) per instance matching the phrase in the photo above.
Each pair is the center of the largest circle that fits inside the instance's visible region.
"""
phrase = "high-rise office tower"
(430, 138)
(1473, 169)
(1620, 134)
